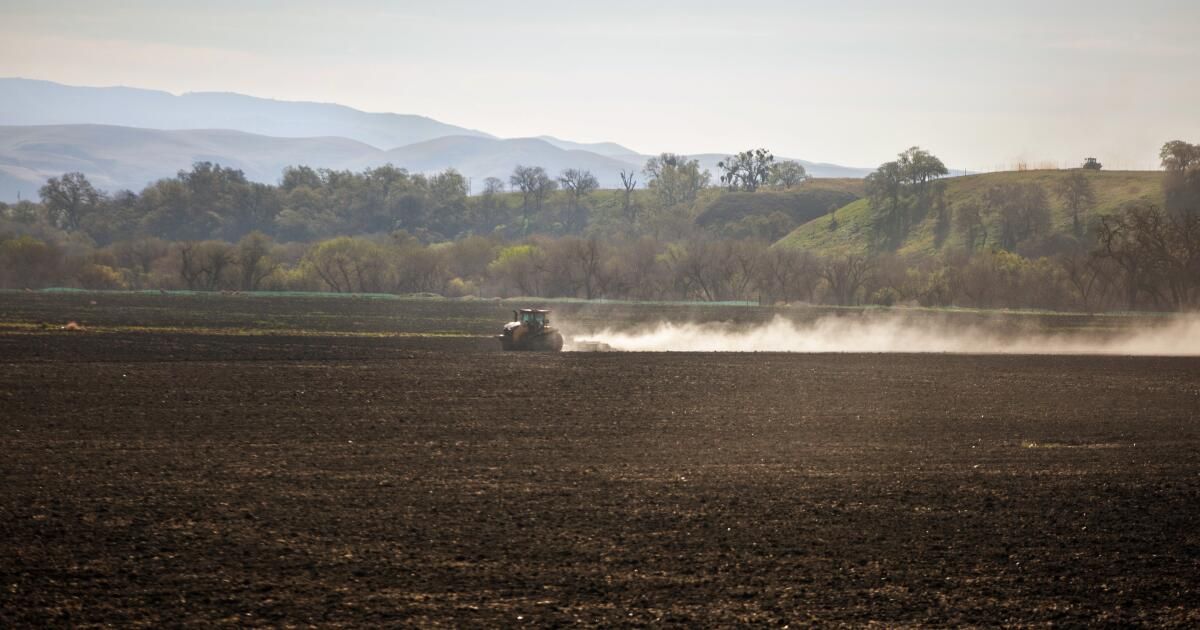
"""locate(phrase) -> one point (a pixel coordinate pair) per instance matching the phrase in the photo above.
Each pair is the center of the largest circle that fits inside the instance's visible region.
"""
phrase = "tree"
(1020, 210)
(1181, 187)
(578, 184)
(534, 184)
(521, 267)
(349, 265)
(675, 179)
(203, 265)
(1089, 275)
(69, 199)
(919, 167)
(1075, 191)
(493, 186)
(577, 266)
(747, 170)
(968, 221)
(628, 184)
(902, 191)
(885, 189)
(139, 256)
(1158, 252)
(787, 174)
(447, 203)
(254, 262)
(788, 275)
(845, 276)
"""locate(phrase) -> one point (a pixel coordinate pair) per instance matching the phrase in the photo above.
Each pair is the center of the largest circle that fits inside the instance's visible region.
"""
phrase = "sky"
(983, 85)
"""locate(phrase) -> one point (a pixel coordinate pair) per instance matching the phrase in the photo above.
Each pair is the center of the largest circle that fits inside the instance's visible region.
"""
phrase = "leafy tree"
(493, 186)
(578, 184)
(448, 203)
(535, 185)
(968, 221)
(69, 199)
(1021, 212)
(885, 190)
(521, 267)
(919, 167)
(674, 179)
(787, 174)
(1182, 184)
(902, 191)
(1075, 191)
(27, 262)
(747, 170)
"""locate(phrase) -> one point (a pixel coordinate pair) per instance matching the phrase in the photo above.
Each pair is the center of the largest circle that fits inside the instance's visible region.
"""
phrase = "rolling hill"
(30, 102)
(487, 157)
(127, 137)
(129, 158)
(853, 233)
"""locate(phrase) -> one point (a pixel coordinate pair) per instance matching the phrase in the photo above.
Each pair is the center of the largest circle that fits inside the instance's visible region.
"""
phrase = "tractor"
(531, 330)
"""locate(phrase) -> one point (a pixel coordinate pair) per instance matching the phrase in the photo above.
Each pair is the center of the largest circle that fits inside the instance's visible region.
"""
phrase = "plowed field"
(200, 461)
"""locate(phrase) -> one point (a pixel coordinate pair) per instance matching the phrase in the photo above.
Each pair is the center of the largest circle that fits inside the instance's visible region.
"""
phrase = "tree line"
(1143, 256)
(384, 230)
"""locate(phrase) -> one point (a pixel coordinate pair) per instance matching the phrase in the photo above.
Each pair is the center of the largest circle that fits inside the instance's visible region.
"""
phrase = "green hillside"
(853, 231)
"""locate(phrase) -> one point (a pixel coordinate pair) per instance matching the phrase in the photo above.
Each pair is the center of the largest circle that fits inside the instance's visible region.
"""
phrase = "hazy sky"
(981, 84)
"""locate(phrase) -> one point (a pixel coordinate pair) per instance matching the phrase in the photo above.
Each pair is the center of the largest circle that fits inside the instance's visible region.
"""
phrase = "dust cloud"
(1172, 337)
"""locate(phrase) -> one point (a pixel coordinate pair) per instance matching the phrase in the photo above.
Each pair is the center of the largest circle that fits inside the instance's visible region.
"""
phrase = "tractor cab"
(534, 318)
(530, 330)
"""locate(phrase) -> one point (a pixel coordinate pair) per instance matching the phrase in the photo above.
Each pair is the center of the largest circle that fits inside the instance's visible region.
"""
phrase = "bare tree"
(787, 274)
(845, 276)
(202, 265)
(578, 184)
(253, 260)
(628, 184)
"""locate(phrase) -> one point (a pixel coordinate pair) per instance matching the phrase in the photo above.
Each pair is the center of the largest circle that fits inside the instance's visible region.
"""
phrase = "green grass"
(853, 233)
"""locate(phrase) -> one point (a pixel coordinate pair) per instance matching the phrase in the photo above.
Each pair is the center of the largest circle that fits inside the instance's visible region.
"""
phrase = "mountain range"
(125, 138)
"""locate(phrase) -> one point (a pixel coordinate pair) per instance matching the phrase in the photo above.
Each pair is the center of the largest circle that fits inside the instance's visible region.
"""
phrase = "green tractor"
(531, 330)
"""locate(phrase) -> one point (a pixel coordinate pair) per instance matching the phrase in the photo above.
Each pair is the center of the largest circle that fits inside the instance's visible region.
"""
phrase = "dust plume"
(890, 333)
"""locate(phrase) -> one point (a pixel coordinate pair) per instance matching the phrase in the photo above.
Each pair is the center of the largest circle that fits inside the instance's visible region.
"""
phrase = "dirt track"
(169, 477)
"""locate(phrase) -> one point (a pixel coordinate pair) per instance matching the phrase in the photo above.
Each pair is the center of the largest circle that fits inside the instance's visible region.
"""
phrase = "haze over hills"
(127, 137)
(30, 102)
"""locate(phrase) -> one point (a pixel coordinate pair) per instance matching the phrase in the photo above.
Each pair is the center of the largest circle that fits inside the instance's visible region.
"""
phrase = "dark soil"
(164, 478)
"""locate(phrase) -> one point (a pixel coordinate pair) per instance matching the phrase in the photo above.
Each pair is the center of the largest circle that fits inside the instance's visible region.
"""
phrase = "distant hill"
(486, 157)
(126, 137)
(30, 102)
(853, 234)
(607, 149)
(123, 157)
(815, 169)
